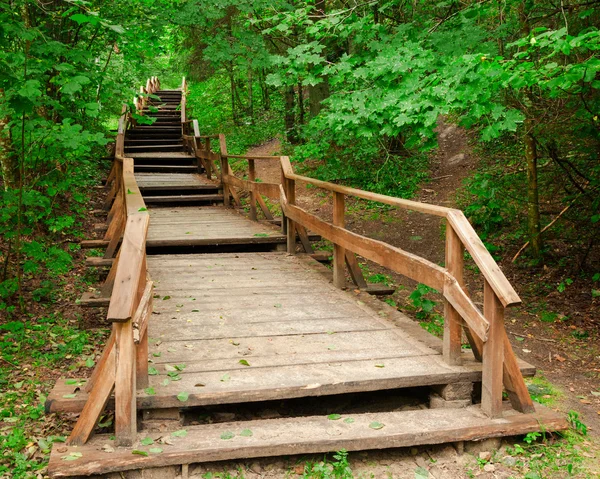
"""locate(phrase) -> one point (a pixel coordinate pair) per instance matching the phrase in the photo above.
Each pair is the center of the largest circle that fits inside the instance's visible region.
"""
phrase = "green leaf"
(183, 396)
(381, 365)
(262, 235)
(246, 433)
(334, 417)
(227, 435)
(139, 453)
(150, 391)
(147, 441)
(226, 377)
(71, 381)
(152, 371)
(72, 456)
(349, 420)
(376, 425)
(166, 382)
(155, 450)
(89, 362)
(180, 433)
(69, 396)
(421, 473)
(165, 298)
(243, 362)
(143, 209)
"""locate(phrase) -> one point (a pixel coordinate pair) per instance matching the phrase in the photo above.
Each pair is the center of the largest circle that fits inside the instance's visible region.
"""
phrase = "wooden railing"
(123, 366)
(484, 329)
(140, 101)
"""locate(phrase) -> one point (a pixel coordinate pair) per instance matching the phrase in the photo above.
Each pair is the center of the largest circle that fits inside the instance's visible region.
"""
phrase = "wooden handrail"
(123, 365)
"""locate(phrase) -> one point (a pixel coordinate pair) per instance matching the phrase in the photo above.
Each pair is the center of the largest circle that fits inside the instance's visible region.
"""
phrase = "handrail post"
(284, 226)
(339, 254)
(493, 354)
(208, 159)
(224, 168)
(290, 192)
(452, 342)
(252, 177)
(125, 385)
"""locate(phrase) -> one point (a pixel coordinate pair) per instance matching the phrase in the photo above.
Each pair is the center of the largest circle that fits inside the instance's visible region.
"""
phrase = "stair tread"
(299, 435)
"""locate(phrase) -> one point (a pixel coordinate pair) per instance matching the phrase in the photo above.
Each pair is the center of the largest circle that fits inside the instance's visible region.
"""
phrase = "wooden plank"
(493, 354)
(96, 402)
(366, 195)
(90, 300)
(305, 435)
(465, 309)
(133, 251)
(355, 271)
(488, 267)
(264, 208)
(452, 318)
(125, 385)
(513, 381)
(304, 239)
(98, 262)
(142, 313)
(339, 253)
(400, 261)
(203, 329)
(56, 402)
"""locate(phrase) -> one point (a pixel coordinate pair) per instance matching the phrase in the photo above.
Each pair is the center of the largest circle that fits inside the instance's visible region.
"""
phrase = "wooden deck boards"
(334, 344)
(183, 226)
(147, 181)
(298, 435)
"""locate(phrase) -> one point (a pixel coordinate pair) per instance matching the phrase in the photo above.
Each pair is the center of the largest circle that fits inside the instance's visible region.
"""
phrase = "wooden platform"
(299, 335)
(200, 226)
(299, 435)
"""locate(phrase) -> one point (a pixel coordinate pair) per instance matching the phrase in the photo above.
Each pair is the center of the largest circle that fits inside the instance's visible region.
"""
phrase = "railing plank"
(483, 259)
(396, 259)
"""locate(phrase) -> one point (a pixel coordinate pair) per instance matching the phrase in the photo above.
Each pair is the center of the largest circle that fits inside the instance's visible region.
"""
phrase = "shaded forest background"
(355, 91)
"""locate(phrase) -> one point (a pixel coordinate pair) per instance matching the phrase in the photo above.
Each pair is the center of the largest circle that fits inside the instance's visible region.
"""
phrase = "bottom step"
(301, 435)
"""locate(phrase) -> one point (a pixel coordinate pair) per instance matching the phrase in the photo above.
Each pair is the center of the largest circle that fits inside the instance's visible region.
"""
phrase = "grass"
(32, 353)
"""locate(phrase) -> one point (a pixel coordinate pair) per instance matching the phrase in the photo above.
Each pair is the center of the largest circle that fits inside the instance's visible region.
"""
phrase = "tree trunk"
(300, 103)
(250, 96)
(8, 160)
(290, 115)
(533, 203)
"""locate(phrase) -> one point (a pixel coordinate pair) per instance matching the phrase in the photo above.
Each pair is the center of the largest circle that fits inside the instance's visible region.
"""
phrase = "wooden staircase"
(258, 323)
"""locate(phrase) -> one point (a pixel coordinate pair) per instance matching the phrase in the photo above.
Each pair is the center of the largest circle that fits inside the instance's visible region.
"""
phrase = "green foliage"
(326, 469)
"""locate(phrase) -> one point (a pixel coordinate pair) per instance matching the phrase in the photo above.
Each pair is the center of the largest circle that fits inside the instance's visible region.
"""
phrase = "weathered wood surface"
(149, 181)
(207, 225)
(303, 435)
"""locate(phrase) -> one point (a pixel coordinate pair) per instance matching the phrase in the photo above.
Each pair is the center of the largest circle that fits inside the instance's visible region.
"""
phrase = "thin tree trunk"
(8, 160)
(290, 115)
(250, 96)
(533, 203)
(265, 92)
(300, 103)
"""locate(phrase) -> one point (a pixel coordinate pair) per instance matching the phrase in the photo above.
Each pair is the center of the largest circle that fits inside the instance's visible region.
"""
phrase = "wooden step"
(297, 435)
(206, 198)
(293, 376)
(90, 300)
(164, 147)
(98, 262)
(166, 168)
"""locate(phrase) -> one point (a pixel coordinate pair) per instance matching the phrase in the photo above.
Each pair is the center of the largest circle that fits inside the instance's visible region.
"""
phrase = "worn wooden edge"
(466, 308)
(483, 259)
(396, 259)
(304, 435)
(144, 309)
